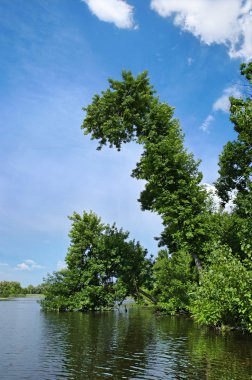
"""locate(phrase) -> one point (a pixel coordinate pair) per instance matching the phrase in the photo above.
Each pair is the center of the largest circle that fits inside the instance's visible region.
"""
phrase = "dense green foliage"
(174, 281)
(225, 292)
(33, 289)
(205, 268)
(129, 110)
(10, 288)
(224, 295)
(14, 289)
(103, 268)
(236, 168)
(236, 158)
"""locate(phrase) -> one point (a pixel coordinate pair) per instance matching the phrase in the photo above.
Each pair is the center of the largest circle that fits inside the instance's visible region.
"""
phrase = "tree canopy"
(235, 166)
(129, 110)
(236, 159)
(10, 288)
(103, 267)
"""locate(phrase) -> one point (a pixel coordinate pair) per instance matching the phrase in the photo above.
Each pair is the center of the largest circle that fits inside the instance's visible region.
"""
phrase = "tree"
(10, 288)
(236, 159)
(31, 289)
(174, 279)
(104, 267)
(129, 111)
(224, 294)
(119, 115)
(235, 167)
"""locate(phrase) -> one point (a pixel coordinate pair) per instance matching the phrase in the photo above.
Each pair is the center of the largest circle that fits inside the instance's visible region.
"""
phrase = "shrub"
(224, 295)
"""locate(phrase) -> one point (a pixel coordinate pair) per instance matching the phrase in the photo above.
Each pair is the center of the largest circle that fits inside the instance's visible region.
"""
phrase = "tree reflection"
(140, 345)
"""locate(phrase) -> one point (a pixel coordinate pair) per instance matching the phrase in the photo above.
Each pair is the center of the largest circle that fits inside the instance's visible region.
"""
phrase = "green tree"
(10, 288)
(33, 289)
(104, 267)
(224, 294)
(129, 110)
(236, 159)
(174, 279)
(235, 168)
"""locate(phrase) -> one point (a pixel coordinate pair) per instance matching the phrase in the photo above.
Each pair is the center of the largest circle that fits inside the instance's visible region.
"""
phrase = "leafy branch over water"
(104, 267)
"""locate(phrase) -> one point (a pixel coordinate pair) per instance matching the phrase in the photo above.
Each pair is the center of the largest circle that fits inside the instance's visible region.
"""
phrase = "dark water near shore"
(116, 345)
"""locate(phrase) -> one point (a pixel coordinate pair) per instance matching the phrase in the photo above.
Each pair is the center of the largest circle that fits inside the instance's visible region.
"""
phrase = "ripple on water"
(134, 345)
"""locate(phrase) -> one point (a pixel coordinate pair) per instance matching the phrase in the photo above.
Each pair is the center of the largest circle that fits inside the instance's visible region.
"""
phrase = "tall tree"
(235, 165)
(236, 159)
(129, 110)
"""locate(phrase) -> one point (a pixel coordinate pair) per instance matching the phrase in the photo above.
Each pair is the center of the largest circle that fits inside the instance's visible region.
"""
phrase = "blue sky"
(55, 55)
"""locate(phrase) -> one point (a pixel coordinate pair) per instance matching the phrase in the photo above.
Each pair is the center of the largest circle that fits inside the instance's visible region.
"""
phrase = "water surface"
(116, 345)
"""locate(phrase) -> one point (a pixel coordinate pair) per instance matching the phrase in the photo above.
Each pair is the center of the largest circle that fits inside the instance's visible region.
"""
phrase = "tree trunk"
(197, 262)
(152, 299)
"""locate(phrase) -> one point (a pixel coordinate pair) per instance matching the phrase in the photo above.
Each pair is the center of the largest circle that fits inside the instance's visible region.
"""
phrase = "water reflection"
(100, 345)
(116, 345)
(138, 345)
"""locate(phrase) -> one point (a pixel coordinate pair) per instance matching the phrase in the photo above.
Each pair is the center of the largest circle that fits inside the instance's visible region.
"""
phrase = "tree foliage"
(14, 289)
(236, 159)
(103, 267)
(236, 167)
(224, 295)
(10, 289)
(118, 115)
(173, 281)
(129, 110)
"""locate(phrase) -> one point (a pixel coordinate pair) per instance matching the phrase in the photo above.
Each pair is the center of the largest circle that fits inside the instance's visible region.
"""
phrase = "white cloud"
(30, 262)
(190, 60)
(227, 22)
(118, 12)
(206, 124)
(211, 189)
(23, 266)
(28, 265)
(61, 265)
(223, 103)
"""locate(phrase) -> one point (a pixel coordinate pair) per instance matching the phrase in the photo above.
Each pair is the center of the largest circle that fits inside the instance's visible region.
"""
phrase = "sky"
(55, 55)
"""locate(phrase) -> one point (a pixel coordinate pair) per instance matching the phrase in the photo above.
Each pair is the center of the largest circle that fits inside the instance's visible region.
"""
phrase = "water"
(115, 345)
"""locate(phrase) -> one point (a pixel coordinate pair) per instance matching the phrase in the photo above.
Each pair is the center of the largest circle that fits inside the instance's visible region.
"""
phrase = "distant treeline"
(14, 288)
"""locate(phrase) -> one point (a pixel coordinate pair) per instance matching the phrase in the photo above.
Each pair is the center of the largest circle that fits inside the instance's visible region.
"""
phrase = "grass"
(22, 296)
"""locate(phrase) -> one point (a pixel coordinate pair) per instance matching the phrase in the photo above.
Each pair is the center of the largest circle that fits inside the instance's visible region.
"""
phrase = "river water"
(118, 345)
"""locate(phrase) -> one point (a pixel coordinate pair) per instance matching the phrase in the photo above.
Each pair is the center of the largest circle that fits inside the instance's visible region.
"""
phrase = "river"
(115, 345)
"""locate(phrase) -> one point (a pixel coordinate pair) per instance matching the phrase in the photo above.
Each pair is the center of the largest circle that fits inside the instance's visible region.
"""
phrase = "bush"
(224, 295)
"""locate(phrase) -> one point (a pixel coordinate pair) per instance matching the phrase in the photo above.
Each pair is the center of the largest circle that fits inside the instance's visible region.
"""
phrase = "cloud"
(28, 265)
(61, 265)
(211, 189)
(118, 12)
(223, 103)
(227, 22)
(4, 265)
(206, 124)
(190, 60)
